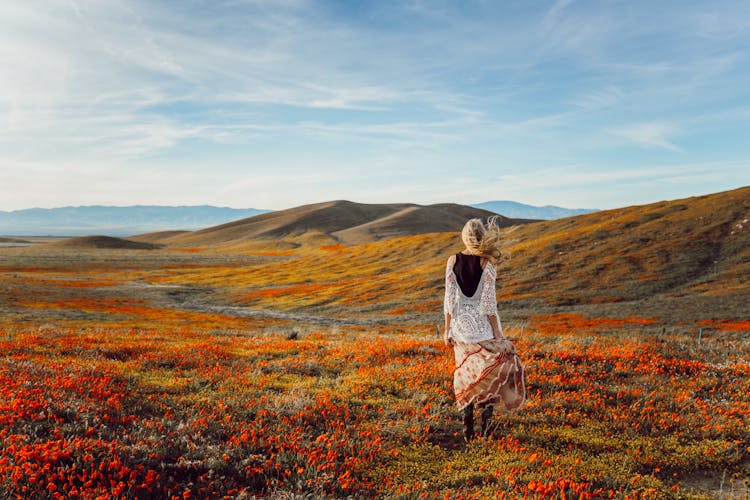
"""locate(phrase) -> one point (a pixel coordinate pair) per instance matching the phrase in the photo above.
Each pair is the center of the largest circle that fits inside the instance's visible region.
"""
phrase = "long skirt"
(489, 373)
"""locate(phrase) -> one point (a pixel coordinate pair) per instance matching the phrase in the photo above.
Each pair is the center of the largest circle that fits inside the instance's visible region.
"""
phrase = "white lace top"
(469, 322)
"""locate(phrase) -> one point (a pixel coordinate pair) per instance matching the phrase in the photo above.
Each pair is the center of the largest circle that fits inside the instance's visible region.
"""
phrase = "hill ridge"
(337, 221)
(104, 242)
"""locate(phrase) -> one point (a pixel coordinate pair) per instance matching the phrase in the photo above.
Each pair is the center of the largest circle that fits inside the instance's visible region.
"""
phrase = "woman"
(488, 371)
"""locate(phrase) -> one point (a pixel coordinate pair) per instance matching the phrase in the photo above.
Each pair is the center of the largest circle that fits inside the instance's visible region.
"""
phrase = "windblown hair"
(482, 240)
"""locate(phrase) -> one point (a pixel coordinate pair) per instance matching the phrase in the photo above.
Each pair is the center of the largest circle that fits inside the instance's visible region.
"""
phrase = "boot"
(469, 423)
(486, 417)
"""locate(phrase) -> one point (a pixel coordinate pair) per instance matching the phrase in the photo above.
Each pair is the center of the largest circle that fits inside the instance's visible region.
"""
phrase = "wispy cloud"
(248, 85)
(649, 134)
(598, 98)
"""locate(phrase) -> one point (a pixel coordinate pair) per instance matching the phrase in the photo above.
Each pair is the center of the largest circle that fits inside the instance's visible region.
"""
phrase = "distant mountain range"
(517, 210)
(115, 221)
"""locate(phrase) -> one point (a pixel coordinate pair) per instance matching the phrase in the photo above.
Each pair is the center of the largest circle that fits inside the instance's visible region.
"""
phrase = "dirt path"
(204, 299)
(247, 312)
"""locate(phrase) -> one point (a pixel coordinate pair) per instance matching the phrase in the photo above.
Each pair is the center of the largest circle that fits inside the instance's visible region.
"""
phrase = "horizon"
(386, 202)
(574, 104)
(285, 208)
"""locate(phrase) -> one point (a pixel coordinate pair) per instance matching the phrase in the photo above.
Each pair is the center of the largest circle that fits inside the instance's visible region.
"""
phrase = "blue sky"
(248, 103)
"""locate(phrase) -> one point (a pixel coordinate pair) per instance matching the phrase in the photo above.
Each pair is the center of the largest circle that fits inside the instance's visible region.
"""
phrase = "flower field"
(133, 374)
(190, 414)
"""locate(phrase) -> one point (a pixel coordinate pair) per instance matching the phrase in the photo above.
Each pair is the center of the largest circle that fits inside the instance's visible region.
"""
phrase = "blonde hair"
(482, 240)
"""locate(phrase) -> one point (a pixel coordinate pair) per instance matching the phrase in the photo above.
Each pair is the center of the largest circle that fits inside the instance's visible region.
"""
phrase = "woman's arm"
(489, 300)
(497, 332)
(450, 297)
(446, 339)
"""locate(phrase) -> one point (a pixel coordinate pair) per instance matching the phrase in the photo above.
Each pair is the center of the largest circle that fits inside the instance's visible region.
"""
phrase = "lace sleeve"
(450, 288)
(488, 305)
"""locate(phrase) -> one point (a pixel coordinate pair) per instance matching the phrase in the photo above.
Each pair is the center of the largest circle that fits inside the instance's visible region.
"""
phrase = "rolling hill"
(104, 242)
(636, 252)
(685, 259)
(682, 260)
(156, 237)
(332, 222)
(416, 219)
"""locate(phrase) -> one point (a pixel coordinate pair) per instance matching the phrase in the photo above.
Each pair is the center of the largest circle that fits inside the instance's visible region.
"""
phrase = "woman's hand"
(447, 340)
(495, 324)
(446, 328)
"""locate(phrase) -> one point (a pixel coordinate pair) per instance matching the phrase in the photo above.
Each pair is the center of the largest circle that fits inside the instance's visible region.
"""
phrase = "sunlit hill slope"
(680, 260)
(332, 222)
(685, 249)
(106, 242)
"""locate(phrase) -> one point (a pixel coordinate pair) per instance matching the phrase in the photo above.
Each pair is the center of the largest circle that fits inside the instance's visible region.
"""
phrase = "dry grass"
(331, 222)
(104, 242)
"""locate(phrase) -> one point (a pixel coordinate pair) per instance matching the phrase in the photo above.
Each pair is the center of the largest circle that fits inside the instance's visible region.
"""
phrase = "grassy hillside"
(683, 260)
(107, 242)
(156, 236)
(331, 222)
(415, 220)
(692, 248)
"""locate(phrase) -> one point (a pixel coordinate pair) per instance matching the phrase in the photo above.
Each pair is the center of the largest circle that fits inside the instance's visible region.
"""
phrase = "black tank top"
(468, 271)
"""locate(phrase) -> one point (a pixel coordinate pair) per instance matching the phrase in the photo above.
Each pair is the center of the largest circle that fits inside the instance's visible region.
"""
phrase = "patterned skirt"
(489, 373)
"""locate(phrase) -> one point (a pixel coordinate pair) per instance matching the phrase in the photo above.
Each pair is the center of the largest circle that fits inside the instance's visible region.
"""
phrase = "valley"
(295, 353)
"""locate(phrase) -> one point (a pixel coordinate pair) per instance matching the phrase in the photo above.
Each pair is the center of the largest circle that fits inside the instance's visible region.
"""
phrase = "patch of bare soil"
(205, 299)
(720, 486)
